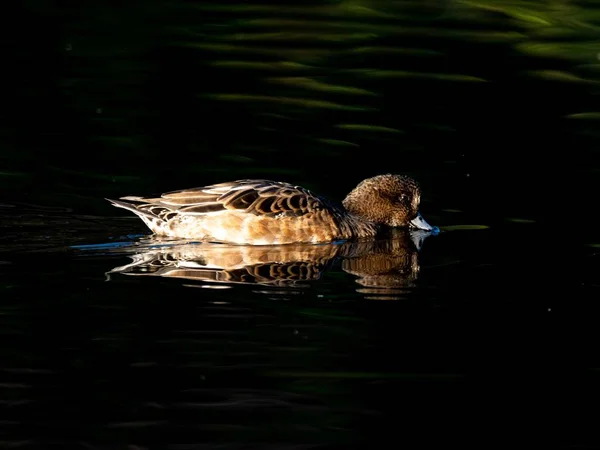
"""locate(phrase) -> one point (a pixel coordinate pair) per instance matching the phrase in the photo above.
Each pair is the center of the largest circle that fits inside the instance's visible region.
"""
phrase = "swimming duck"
(264, 212)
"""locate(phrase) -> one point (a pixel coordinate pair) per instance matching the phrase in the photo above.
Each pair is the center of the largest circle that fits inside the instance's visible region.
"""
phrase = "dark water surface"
(485, 335)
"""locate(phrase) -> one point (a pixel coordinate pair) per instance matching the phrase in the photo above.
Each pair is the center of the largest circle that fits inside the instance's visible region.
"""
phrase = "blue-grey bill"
(420, 223)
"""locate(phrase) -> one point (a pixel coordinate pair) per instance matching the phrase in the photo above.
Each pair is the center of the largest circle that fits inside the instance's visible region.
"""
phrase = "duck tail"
(133, 207)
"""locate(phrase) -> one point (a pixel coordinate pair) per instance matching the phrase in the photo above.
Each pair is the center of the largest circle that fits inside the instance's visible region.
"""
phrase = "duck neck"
(359, 227)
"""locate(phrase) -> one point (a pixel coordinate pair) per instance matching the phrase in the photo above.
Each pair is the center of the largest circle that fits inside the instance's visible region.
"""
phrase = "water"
(131, 340)
(482, 336)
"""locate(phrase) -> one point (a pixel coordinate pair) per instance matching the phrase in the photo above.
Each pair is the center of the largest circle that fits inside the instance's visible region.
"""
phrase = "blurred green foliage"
(151, 96)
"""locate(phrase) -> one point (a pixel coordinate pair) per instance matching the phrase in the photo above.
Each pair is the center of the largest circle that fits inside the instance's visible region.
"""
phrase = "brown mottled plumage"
(263, 212)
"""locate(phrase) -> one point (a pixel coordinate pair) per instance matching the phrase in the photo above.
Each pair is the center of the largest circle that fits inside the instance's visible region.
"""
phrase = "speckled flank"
(239, 227)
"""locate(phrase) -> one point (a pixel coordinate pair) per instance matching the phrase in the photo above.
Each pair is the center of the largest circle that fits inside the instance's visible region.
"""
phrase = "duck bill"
(420, 224)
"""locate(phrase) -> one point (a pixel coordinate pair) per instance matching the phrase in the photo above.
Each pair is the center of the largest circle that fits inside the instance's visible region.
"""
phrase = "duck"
(266, 212)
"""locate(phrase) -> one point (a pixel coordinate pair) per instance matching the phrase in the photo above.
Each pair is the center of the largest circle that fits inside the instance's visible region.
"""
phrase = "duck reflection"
(385, 269)
(284, 265)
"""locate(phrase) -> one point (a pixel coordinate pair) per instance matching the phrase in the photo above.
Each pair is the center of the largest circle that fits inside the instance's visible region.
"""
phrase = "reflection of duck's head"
(391, 200)
(389, 268)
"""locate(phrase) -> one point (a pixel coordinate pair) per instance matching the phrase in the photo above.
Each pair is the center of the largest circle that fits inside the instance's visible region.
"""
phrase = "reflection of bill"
(385, 268)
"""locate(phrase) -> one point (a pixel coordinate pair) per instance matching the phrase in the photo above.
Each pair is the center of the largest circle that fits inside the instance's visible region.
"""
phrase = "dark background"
(492, 106)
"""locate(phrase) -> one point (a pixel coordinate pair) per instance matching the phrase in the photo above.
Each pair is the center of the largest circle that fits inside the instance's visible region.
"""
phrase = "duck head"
(391, 200)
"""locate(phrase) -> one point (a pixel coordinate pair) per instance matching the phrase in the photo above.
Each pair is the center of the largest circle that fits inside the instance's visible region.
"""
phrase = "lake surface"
(485, 335)
(323, 346)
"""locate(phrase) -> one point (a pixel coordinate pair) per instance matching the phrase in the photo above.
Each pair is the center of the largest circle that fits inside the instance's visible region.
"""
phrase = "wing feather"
(259, 197)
